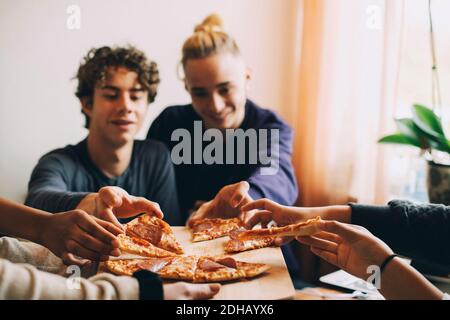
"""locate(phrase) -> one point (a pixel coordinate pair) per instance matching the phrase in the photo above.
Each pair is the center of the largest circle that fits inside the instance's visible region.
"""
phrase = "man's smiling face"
(218, 88)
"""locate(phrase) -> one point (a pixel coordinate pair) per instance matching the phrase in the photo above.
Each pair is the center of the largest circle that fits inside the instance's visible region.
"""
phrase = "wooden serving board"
(272, 285)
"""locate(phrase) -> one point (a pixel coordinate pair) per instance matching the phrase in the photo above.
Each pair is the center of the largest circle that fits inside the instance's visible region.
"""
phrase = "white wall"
(39, 55)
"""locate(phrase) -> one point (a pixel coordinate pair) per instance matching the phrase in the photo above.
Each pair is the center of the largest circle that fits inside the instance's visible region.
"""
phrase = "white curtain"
(346, 98)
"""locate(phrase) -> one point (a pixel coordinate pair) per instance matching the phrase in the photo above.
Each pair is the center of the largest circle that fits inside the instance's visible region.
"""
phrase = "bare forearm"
(21, 221)
(401, 281)
(339, 213)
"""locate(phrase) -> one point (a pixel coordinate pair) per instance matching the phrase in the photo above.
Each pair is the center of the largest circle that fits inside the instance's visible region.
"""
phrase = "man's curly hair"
(98, 60)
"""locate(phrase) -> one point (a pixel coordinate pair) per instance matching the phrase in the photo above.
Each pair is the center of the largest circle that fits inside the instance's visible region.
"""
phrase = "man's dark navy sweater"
(201, 182)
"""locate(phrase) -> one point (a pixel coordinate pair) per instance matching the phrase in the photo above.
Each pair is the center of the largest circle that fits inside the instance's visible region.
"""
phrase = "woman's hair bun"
(209, 38)
(213, 22)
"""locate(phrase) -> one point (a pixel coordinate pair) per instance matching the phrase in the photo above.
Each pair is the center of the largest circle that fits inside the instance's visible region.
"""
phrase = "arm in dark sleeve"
(419, 231)
(165, 189)
(281, 186)
(150, 285)
(48, 188)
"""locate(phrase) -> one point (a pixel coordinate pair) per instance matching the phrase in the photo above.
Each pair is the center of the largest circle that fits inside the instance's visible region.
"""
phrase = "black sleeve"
(420, 231)
(47, 188)
(150, 285)
(164, 189)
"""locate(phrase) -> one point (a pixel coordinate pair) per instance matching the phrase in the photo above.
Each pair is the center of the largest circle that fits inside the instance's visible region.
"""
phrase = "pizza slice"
(180, 268)
(129, 266)
(155, 231)
(237, 245)
(190, 268)
(141, 247)
(306, 228)
(208, 229)
(252, 270)
(218, 269)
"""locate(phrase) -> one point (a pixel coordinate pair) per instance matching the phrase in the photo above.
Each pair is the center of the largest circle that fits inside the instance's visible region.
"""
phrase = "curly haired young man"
(100, 173)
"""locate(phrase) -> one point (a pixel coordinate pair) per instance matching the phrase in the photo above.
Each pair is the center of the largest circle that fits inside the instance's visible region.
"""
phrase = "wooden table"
(274, 284)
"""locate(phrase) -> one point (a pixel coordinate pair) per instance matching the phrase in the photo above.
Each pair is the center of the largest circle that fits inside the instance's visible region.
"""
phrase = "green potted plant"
(424, 130)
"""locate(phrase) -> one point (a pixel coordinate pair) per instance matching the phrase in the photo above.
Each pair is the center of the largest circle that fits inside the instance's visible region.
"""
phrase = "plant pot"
(438, 183)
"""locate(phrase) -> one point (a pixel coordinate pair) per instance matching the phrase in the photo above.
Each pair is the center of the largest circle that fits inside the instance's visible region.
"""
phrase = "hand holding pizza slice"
(301, 229)
(226, 204)
(264, 211)
(243, 240)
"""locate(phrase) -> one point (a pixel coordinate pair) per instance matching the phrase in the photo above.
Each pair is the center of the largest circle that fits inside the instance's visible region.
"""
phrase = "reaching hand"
(190, 291)
(226, 204)
(264, 210)
(349, 247)
(111, 203)
(75, 236)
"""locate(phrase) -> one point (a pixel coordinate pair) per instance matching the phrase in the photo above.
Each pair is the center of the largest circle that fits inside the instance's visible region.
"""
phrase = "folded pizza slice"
(208, 229)
(141, 247)
(129, 266)
(235, 244)
(219, 269)
(155, 231)
(306, 228)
